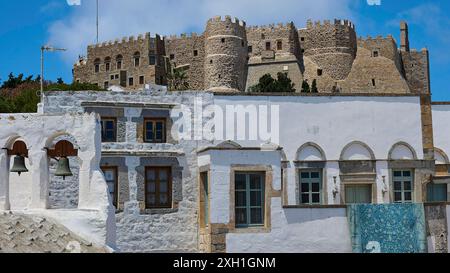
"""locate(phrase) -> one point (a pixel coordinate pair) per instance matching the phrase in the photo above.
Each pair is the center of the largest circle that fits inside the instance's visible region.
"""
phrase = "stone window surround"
(269, 193)
(308, 166)
(164, 130)
(114, 119)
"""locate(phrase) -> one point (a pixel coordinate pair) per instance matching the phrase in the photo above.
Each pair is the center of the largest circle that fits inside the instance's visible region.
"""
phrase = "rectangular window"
(279, 45)
(158, 187)
(119, 65)
(116, 76)
(249, 199)
(137, 62)
(141, 80)
(172, 56)
(97, 68)
(204, 201)
(403, 186)
(155, 130)
(268, 46)
(250, 49)
(195, 52)
(107, 66)
(111, 180)
(375, 53)
(109, 130)
(130, 81)
(112, 77)
(310, 187)
(319, 72)
(358, 194)
(152, 59)
(106, 85)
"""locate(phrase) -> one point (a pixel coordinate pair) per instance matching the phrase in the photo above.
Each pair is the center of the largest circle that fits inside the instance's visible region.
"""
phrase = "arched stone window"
(108, 63)
(357, 151)
(137, 58)
(119, 60)
(440, 156)
(310, 152)
(97, 65)
(402, 151)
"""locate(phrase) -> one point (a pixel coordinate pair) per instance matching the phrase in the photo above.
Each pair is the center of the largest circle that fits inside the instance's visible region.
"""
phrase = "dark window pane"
(163, 175)
(255, 182)
(305, 187)
(151, 187)
(407, 185)
(109, 135)
(397, 186)
(163, 199)
(397, 196)
(315, 175)
(240, 181)
(315, 187)
(256, 216)
(305, 198)
(316, 198)
(151, 175)
(241, 199)
(151, 199)
(163, 187)
(397, 173)
(255, 198)
(241, 216)
(159, 135)
(159, 125)
(305, 175)
(407, 173)
(408, 196)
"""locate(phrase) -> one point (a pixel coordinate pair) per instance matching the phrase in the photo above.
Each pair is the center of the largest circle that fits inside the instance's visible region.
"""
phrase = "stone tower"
(226, 55)
(332, 46)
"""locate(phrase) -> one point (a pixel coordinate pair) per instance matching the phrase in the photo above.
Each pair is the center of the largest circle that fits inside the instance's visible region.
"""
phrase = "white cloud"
(131, 17)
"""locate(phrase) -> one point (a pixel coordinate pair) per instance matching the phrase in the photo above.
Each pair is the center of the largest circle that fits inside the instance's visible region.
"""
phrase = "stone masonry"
(231, 57)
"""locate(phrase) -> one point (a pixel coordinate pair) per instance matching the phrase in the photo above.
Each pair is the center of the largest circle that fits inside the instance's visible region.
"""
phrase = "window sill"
(159, 211)
(255, 229)
(315, 207)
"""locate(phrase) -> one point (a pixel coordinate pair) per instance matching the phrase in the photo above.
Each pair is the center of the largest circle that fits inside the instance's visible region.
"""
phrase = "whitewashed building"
(274, 172)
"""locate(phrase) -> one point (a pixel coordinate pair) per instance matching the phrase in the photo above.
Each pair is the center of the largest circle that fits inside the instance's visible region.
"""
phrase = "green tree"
(305, 87)
(59, 81)
(178, 80)
(267, 84)
(314, 87)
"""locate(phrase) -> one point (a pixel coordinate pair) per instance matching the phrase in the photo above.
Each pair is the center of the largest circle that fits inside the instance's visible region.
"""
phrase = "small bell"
(19, 165)
(63, 168)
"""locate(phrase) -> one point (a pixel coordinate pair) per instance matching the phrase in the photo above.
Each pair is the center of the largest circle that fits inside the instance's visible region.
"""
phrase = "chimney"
(404, 37)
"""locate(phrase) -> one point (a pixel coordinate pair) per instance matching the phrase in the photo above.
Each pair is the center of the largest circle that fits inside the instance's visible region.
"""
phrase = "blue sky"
(26, 25)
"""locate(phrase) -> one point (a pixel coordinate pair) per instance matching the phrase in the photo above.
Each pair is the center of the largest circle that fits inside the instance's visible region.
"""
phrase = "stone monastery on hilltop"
(231, 57)
(361, 166)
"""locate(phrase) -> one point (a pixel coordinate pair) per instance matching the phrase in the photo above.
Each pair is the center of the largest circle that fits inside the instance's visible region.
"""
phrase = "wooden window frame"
(169, 187)
(402, 179)
(164, 131)
(248, 206)
(114, 119)
(310, 192)
(116, 186)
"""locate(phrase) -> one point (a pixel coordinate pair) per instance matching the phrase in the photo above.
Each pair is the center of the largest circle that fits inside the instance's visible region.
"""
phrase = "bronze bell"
(19, 165)
(63, 168)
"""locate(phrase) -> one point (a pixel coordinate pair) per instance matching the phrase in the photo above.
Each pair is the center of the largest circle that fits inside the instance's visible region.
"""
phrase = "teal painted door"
(358, 194)
(436, 192)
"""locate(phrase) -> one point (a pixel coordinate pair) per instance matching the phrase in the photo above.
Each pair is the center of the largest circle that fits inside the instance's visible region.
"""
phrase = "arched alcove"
(440, 156)
(357, 150)
(19, 185)
(402, 151)
(310, 152)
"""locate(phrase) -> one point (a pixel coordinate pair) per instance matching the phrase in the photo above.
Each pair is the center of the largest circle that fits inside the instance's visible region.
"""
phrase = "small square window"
(108, 129)
(302, 39)
(195, 52)
(319, 72)
(172, 56)
(223, 40)
(112, 77)
(116, 76)
(375, 53)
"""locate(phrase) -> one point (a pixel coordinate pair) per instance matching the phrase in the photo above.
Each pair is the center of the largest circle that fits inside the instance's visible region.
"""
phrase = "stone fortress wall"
(230, 56)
